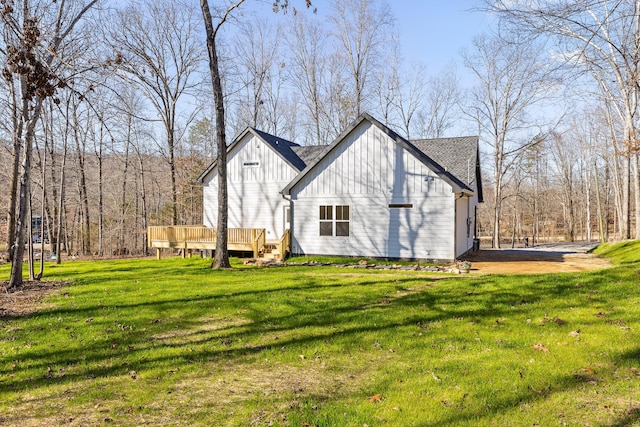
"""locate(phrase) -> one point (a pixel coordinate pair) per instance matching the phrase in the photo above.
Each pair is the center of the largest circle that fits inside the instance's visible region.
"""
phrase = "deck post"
(254, 244)
(158, 253)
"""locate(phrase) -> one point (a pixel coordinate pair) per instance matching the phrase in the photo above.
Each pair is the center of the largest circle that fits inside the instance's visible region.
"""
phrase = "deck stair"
(270, 252)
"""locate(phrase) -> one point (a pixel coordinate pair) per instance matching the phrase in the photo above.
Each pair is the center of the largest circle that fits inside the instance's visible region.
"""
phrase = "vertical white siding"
(368, 171)
(254, 192)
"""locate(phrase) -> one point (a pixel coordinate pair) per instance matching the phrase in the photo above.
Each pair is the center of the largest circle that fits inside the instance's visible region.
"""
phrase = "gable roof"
(287, 150)
(460, 156)
(458, 185)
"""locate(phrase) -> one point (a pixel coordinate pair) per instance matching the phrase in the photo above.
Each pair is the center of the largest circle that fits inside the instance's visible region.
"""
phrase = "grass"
(171, 342)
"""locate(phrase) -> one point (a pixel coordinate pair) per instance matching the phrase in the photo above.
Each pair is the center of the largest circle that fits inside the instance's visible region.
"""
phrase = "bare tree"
(566, 161)
(160, 53)
(256, 52)
(511, 81)
(361, 28)
(601, 37)
(307, 50)
(411, 89)
(36, 58)
(221, 259)
(436, 114)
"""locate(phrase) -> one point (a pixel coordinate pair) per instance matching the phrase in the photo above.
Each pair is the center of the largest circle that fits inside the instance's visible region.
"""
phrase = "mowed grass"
(171, 342)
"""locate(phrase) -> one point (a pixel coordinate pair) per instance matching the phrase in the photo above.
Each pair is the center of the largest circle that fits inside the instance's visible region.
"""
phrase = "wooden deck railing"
(284, 245)
(200, 237)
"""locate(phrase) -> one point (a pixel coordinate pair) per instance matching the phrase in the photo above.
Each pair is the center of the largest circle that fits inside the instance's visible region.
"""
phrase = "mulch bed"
(25, 299)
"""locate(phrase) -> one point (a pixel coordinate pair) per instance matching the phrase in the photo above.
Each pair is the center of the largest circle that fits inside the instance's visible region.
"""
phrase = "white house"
(259, 166)
(370, 193)
(375, 194)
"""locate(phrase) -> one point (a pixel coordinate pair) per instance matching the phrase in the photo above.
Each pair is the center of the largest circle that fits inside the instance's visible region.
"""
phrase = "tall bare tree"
(307, 49)
(361, 28)
(161, 54)
(602, 38)
(437, 113)
(221, 259)
(510, 81)
(36, 60)
(256, 53)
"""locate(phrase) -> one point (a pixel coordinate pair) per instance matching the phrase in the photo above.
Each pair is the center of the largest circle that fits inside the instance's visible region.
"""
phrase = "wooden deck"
(188, 237)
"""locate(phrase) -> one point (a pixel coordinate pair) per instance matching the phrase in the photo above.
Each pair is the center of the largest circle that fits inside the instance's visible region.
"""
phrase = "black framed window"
(342, 220)
(326, 220)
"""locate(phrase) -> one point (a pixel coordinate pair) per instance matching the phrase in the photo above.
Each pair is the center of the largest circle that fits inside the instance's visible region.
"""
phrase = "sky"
(434, 31)
(431, 31)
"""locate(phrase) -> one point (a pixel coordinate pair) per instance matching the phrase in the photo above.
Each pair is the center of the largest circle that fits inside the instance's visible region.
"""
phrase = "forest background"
(126, 124)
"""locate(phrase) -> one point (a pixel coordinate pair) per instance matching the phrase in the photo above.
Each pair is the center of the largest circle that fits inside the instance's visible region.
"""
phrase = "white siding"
(464, 232)
(368, 171)
(369, 162)
(254, 192)
(376, 230)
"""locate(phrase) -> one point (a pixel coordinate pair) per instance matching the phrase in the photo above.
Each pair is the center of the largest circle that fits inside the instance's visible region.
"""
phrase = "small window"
(326, 220)
(250, 164)
(401, 205)
(342, 220)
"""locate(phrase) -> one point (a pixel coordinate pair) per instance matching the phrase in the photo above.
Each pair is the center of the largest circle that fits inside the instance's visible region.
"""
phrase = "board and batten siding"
(253, 190)
(368, 171)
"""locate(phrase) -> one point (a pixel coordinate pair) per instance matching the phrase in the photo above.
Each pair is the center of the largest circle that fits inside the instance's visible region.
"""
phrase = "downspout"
(455, 225)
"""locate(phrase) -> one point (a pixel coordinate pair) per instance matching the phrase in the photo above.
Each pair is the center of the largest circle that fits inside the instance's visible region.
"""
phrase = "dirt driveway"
(545, 258)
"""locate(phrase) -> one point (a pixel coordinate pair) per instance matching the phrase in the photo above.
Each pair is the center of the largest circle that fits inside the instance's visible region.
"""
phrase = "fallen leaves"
(540, 347)
(376, 398)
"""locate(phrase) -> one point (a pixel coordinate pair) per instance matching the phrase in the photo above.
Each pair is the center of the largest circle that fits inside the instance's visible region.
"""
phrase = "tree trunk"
(18, 126)
(145, 216)
(221, 259)
(85, 229)
(123, 200)
(636, 181)
(599, 205)
(15, 280)
(60, 201)
(172, 166)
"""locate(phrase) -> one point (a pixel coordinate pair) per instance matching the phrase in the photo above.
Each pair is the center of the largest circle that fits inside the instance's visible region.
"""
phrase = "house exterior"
(371, 193)
(259, 166)
(375, 194)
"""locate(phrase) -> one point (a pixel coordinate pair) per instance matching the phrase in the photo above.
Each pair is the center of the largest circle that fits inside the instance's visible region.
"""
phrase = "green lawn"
(170, 342)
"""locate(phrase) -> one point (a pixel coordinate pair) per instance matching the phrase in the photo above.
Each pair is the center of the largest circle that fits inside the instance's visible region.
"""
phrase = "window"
(341, 220)
(250, 164)
(326, 220)
(401, 205)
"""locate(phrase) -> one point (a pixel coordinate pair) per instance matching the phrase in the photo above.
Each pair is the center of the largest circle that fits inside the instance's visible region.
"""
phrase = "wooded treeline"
(107, 109)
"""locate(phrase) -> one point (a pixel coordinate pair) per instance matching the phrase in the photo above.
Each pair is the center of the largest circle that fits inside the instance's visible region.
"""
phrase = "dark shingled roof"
(284, 147)
(309, 153)
(458, 156)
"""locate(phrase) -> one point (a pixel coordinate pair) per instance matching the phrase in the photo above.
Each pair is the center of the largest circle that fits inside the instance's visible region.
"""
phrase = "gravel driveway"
(544, 258)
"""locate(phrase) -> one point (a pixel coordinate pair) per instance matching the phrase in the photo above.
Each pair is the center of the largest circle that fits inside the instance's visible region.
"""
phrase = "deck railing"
(200, 237)
(258, 237)
(284, 245)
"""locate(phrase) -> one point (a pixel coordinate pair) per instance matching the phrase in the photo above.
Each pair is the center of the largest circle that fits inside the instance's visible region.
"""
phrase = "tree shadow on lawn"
(306, 313)
(394, 305)
(577, 381)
